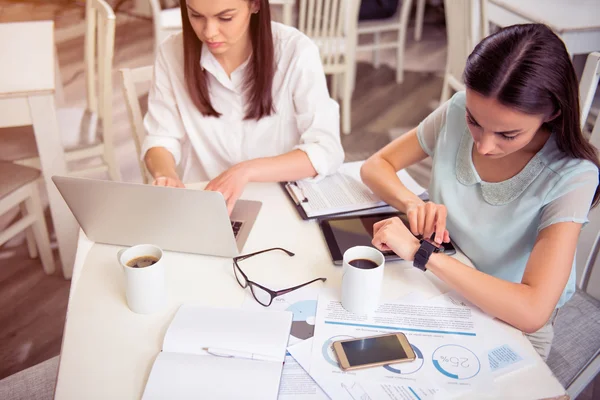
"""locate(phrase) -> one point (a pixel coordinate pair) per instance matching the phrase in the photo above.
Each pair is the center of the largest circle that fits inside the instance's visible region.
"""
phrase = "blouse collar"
(498, 193)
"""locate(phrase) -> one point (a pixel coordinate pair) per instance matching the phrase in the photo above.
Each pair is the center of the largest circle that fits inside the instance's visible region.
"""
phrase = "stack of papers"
(447, 333)
(341, 193)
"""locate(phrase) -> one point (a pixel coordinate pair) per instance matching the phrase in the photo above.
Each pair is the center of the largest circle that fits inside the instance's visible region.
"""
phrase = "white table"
(27, 79)
(108, 350)
(575, 21)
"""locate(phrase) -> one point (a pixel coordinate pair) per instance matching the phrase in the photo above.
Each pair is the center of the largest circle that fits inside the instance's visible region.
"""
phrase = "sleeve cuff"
(325, 163)
(171, 144)
(424, 146)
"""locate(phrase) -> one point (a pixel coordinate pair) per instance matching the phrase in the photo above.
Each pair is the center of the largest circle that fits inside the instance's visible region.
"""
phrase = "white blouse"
(305, 117)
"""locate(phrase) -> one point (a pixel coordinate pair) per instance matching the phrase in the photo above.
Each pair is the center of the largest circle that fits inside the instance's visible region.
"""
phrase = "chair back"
(99, 49)
(332, 25)
(129, 79)
(589, 241)
(466, 25)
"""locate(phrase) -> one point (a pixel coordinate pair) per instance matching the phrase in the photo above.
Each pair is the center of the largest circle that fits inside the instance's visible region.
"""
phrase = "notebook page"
(187, 376)
(261, 332)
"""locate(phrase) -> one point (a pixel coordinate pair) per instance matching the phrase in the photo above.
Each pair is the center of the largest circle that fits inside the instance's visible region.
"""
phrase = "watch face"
(439, 247)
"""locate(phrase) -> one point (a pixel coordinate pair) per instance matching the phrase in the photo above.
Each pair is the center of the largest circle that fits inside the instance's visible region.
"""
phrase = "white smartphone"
(373, 351)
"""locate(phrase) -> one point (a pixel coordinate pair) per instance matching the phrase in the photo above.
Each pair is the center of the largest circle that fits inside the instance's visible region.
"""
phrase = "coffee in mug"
(363, 263)
(142, 262)
(362, 278)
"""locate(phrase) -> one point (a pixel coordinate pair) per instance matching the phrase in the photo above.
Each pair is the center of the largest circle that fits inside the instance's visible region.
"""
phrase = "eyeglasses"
(263, 295)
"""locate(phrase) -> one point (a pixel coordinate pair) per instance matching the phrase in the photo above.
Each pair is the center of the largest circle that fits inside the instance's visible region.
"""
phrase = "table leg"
(52, 160)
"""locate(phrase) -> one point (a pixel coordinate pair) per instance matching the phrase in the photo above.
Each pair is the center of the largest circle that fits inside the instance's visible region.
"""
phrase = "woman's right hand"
(168, 181)
(428, 218)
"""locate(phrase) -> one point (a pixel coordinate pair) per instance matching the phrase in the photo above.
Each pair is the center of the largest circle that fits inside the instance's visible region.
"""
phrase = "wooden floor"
(34, 305)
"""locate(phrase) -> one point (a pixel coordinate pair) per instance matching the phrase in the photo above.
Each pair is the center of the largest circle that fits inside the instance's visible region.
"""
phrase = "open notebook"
(340, 193)
(184, 370)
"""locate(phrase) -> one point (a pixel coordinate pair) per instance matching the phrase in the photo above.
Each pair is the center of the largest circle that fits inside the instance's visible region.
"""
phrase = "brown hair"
(527, 67)
(259, 74)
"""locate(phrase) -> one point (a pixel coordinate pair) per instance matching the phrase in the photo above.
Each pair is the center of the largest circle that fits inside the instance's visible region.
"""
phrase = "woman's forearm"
(514, 303)
(291, 166)
(160, 163)
(380, 176)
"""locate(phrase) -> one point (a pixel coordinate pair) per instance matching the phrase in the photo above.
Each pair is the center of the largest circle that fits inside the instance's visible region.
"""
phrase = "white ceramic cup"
(361, 288)
(145, 287)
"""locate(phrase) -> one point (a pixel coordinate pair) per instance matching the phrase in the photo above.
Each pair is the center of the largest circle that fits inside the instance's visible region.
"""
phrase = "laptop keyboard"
(236, 226)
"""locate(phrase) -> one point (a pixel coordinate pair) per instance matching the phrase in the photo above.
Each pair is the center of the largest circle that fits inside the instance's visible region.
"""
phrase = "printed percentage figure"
(456, 362)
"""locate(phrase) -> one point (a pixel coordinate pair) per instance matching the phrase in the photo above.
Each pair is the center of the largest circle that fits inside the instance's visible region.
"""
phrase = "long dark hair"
(259, 74)
(527, 67)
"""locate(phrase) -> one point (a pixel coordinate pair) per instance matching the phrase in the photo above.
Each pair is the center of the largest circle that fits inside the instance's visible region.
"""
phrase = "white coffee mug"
(145, 287)
(361, 287)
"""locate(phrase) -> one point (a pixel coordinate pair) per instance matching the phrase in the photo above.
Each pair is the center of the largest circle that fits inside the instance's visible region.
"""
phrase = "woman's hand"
(168, 181)
(428, 218)
(231, 184)
(392, 234)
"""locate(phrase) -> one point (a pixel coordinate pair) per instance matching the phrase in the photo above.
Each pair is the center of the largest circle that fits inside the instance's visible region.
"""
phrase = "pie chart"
(456, 362)
(303, 321)
(407, 367)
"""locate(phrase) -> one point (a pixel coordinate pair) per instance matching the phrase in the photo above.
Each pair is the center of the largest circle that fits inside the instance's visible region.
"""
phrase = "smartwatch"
(427, 248)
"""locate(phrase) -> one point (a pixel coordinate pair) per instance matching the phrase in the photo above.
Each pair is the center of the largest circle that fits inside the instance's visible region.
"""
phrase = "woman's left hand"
(231, 184)
(392, 234)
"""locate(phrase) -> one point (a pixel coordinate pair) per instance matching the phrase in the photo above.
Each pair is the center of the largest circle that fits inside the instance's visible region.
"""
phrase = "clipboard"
(297, 196)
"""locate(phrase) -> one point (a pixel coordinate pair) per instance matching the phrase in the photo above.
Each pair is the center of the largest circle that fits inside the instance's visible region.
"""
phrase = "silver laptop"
(186, 220)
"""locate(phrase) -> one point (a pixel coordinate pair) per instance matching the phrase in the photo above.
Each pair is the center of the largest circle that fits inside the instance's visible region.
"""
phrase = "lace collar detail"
(497, 193)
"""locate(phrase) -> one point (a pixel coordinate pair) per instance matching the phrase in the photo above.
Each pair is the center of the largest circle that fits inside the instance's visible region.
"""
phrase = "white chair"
(129, 79)
(398, 22)
(587, 90)
(18, 188)
(575, 354)
(332, 25)
(466, 25)
(87, 133)
(165, 22)
(419, 15)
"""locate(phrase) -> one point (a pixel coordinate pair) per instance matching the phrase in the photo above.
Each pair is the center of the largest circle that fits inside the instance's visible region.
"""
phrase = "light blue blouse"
(496, 224)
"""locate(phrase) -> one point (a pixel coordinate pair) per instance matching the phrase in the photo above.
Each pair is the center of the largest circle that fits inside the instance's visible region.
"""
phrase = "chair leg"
(347, 103)
(419, 19)
(400, 55)
(335, 86)
(40, 230)
(445, 90)
(109, 158)
(376, 50)
(29, 236)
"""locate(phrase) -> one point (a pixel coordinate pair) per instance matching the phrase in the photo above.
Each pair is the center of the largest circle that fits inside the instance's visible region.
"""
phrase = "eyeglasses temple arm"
(284, 291)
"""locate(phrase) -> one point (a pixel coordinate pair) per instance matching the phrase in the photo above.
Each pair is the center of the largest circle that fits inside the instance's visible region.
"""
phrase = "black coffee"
(142, 262)
(363, 263)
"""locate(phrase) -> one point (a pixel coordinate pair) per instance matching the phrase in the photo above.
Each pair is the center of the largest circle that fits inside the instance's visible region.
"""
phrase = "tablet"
(341, 233)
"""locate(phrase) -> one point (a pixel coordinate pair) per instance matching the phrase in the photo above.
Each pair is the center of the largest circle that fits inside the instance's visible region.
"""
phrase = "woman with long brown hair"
(237, 98)
(512, 183)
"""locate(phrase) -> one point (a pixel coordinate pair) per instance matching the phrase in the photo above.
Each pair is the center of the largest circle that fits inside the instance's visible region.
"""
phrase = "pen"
(239, 354)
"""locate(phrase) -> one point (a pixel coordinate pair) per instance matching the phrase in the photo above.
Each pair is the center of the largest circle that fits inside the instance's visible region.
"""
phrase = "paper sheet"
(296, 383)
(302, 303)
(363, 390)
(344, 191)
(450, 356)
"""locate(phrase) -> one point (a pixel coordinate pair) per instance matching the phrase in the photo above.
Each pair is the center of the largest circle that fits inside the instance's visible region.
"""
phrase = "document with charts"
(451, 357)
(342, 192)
(188, 367)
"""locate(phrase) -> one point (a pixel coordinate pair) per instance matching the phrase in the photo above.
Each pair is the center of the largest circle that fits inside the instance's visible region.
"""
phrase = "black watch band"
(422, 255)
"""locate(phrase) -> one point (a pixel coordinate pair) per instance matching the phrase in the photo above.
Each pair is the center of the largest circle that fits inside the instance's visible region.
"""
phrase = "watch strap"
(423, 253)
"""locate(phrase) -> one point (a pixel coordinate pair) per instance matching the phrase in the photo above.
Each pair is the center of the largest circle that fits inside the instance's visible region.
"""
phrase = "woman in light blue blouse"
(512, 183)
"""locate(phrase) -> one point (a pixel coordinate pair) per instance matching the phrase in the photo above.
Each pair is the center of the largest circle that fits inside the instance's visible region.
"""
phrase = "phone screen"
(373, 350)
